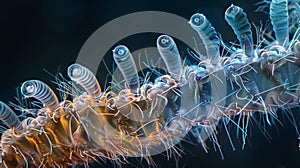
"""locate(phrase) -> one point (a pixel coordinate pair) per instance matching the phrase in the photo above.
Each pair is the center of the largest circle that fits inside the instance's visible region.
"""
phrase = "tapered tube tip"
(28, 88)
(120, 52)
(197, 19)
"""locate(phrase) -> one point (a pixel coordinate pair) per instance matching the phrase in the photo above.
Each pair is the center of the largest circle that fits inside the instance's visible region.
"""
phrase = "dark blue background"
(48, 34)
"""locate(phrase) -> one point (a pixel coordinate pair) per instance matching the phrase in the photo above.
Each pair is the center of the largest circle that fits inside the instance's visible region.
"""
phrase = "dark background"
(48, 34)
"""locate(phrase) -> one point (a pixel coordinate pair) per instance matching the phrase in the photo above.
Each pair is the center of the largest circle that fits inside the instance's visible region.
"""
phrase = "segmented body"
(145, 119)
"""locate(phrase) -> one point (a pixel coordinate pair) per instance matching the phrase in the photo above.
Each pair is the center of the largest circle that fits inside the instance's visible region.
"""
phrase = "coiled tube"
(208, 35)
(125, 62)
(8, 116)
(279, 19)
(84, 77)
(40, 91)
(237, 19)
(169, 53)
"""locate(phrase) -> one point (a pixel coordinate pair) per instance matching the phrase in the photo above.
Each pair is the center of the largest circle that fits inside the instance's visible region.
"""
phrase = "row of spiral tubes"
(139, 117)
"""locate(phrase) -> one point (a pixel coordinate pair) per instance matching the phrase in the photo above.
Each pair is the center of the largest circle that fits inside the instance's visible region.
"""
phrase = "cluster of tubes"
(235, 17)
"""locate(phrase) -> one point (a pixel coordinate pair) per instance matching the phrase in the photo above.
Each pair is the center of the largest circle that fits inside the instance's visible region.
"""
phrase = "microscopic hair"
(228, 88)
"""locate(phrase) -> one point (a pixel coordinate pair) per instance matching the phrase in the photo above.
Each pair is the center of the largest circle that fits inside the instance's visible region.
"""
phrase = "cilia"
(145, 117)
